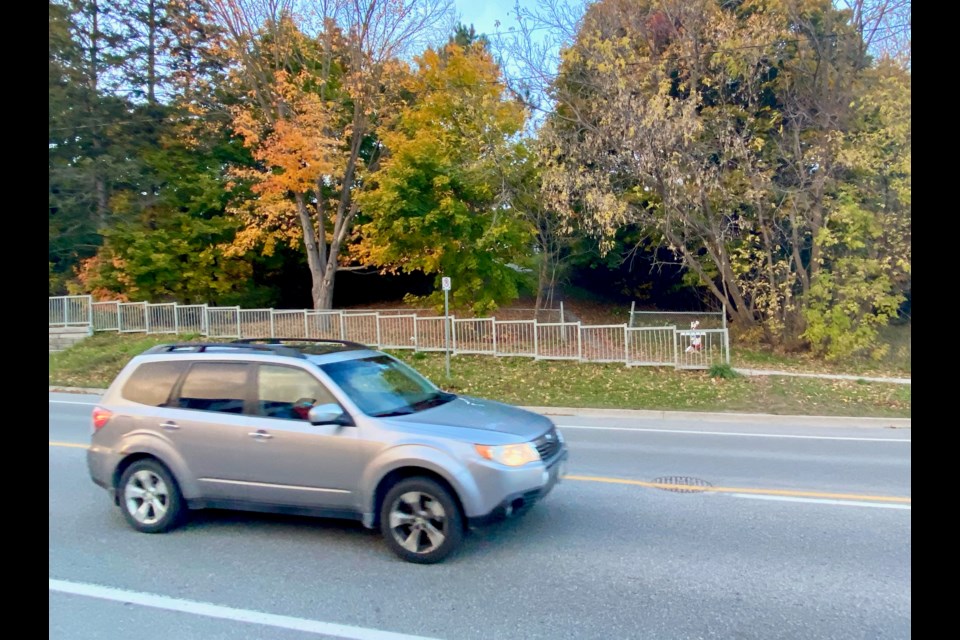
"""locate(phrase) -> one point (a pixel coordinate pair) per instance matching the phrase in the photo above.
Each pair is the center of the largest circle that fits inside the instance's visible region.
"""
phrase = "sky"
(483, 14)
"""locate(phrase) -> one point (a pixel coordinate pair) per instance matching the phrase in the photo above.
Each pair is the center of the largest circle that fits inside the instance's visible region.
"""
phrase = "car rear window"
(215, 386)
(152, 382)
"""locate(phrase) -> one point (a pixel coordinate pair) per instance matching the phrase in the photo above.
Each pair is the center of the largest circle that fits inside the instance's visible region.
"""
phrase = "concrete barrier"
(63, 337)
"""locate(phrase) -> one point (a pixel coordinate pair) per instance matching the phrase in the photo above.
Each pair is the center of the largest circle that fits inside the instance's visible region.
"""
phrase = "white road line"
(71, 402)
(226, 613)
(845, 503)
(730, 433)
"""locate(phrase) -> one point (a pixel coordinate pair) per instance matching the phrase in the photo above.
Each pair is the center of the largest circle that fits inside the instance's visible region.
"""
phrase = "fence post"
(176, 320)
(726, 340)
(494, 323)
(66, 311)
(238, 321)
(579, 344)
(633, 305)
(343, 327)
(146, 317)
(273, 331)
(306, 329)
(453, 335)
(536, 350)
(561, 312)
(378, 329)
(90, 312)
(676, 349)
(724, 315)
(416, 337)
(626, 344)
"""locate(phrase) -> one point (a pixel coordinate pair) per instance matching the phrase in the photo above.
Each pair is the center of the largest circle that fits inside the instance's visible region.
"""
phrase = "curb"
(822, 376)
(97, 392)
(754, 418)
(761, 418)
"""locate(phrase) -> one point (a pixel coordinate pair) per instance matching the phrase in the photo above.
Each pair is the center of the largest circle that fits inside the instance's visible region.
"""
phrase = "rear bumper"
(520, 502)
(101, 462)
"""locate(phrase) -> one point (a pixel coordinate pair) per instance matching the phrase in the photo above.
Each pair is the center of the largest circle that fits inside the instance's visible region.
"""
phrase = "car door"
(289, 461)
(209, 423)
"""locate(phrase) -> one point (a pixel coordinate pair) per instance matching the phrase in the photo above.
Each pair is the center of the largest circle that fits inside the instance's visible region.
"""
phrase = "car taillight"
(100, 417)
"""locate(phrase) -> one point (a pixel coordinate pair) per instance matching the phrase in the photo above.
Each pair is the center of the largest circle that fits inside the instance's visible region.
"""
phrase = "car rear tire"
(149, 497)
(421, 521)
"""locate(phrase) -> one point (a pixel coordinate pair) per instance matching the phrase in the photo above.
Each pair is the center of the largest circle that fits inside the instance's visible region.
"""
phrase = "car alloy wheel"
(149, 497)
(146, 497)
(421, 520)
(418, 522)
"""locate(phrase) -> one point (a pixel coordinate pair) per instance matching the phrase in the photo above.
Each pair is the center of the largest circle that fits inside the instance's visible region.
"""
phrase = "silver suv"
(320, 427)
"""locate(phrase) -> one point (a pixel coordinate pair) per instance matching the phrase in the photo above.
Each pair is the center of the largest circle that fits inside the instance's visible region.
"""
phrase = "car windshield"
(382, 386)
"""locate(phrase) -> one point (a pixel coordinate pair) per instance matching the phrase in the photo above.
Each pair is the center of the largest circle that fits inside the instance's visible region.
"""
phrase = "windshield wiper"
(396, 412)
(441, 397)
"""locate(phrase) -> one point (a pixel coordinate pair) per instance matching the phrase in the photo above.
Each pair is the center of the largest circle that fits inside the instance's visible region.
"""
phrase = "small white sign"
(446, 284)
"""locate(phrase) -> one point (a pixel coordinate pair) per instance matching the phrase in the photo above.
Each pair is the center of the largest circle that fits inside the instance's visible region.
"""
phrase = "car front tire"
(421, 521)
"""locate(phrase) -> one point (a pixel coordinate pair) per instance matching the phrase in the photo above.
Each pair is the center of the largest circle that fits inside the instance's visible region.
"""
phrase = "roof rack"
(203, 347)
(345, 345)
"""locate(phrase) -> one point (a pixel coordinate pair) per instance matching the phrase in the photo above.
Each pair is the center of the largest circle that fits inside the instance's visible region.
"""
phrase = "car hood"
(476, 413)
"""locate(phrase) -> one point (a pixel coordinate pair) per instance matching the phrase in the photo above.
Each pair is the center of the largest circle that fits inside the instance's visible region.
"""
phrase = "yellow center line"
(681, 487)
(764, 492)
(75, 445)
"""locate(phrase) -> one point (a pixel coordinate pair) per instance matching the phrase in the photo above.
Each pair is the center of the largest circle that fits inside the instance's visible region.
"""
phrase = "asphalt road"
(804, 533)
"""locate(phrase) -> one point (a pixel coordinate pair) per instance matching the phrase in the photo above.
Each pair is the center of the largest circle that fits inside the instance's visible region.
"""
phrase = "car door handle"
(260, 435)
(169, 425)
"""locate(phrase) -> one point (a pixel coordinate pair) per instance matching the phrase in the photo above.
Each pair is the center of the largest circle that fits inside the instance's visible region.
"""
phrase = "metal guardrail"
(696, 348)
(705, 319)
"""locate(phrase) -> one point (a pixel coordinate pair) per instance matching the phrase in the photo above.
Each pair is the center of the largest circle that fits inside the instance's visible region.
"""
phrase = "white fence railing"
(697, 348)
(105, 316)
(516, 337)
(652, 346)
(71, 311)
(701, 348)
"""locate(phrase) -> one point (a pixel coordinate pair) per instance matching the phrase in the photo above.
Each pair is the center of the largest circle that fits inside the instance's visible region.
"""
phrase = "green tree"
(439, 204)
(167, 236)
(87, 153)
(718, 128)
(866, 237)
(311, 109)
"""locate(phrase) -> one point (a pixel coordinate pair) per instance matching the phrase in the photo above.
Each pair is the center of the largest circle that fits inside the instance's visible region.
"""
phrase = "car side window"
(288, 392)
(152, 383)
(215, 386)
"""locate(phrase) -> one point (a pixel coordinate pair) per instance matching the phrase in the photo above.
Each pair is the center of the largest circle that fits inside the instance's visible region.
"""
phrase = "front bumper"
(520, 502)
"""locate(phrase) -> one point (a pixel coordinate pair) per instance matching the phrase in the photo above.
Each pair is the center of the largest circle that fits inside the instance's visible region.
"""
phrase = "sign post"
(446, 315)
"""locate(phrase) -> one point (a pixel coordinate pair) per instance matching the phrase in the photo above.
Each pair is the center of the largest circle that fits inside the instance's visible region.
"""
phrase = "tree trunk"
(312, 246)
(346, 212)
(152, 52)
(323, 296)
(93, 77)
(541, 283)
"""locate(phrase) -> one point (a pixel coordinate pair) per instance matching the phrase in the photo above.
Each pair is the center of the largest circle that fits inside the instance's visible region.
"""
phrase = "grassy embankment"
(94, 362)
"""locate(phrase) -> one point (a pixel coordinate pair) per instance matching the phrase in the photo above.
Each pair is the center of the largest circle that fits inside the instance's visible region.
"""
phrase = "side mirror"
(330, 413)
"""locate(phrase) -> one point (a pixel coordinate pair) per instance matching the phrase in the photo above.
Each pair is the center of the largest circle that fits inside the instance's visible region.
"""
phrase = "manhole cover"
(681, 484)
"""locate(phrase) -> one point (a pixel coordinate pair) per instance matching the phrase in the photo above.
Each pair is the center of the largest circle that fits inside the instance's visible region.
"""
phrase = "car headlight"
(512, 455)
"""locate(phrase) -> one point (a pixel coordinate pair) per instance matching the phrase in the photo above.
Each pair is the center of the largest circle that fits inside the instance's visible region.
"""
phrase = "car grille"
(548, 444)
